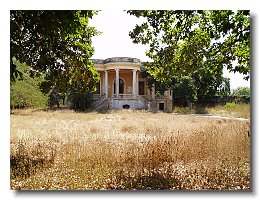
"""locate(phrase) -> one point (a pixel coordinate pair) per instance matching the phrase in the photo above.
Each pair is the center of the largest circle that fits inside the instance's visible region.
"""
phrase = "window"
(121, 86)
(141, 87)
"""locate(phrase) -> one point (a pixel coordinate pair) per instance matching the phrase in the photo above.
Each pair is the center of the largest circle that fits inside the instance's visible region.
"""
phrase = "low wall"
(132, 103)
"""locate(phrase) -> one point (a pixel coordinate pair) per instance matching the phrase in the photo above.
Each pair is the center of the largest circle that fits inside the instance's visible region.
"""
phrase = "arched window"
(121, 86)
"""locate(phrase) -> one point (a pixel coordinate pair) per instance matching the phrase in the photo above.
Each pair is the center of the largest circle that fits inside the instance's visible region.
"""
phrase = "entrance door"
(161, 106)
(141, 87)
(121, 86)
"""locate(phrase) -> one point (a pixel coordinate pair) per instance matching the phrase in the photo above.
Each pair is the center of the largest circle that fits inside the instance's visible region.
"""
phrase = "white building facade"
(122, 86)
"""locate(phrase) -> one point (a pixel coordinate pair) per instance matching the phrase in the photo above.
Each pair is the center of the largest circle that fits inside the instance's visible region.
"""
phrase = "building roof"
(115, 60)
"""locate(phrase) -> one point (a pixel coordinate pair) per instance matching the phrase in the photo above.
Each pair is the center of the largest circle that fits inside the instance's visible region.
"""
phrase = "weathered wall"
(126, 76)
(133, 103)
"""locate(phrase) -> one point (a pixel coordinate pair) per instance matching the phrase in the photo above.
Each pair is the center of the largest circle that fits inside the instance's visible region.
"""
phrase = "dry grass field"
(228, 110)
(127, 150)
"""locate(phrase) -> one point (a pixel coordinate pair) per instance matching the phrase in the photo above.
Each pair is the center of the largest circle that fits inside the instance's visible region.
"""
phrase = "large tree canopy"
(56, 43)
(194, 42)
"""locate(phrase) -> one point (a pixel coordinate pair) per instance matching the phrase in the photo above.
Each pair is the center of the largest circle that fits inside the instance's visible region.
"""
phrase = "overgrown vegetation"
(228, 110)
(127, 150)
(56, 43)
(26, 93)
(183, 42)
(242, 91)
(231, 110)
(190, 49)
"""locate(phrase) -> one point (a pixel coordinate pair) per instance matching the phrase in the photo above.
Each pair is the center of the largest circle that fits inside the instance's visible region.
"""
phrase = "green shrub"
(230, 105)
(78, 101)
(24, 95)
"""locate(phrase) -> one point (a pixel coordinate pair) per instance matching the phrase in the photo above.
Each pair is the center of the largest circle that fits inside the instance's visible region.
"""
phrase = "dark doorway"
(121, 86)
(141, 87)
(161, 106)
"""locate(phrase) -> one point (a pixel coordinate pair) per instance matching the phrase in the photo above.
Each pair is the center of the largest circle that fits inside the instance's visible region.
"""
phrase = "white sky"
(115, 41)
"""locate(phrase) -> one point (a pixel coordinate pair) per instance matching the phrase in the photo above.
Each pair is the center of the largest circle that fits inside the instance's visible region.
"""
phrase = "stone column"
(117, 83)
(137, 83)
(106, 83)
(103, 83)
(153, 92)
(134, 83)
(100, 87)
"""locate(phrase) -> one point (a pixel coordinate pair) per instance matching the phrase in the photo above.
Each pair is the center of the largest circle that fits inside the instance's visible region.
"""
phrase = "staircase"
(99, 101)
(101, 104)
(144, 101)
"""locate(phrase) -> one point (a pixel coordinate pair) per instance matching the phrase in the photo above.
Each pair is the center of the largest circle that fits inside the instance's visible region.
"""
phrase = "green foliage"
(79, 101)
(229, 105)
(56, 44)
(242, 91)
(224, 87)
(54, 97)
(201, 42)
(26, 93)
(184, 90)
(209, 85)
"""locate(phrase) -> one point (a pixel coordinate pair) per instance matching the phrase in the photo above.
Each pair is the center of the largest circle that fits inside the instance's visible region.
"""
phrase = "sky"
(115, 41)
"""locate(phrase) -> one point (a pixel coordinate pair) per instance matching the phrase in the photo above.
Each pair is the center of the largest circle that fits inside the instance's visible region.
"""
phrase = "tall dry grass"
(127, 150)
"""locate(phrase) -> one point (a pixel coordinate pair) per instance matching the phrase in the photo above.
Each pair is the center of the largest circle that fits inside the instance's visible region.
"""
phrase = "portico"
(119, 79)
(121, 83)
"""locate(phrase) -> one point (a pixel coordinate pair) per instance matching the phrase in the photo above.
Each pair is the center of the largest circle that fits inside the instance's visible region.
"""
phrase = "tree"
(188, 42)
(224, 87)
(199, 86)
(242, 91)
(56, 44)
(26, 93)
(209, 85)
(184, 90)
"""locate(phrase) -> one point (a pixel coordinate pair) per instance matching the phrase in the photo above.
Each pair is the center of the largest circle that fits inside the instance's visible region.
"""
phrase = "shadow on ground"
(154, 181)
(24, 166)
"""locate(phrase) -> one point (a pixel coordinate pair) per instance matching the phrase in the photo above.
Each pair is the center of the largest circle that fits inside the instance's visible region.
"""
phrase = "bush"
(24, 95)
(230, 105)
(79, 101)
(242, 91)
